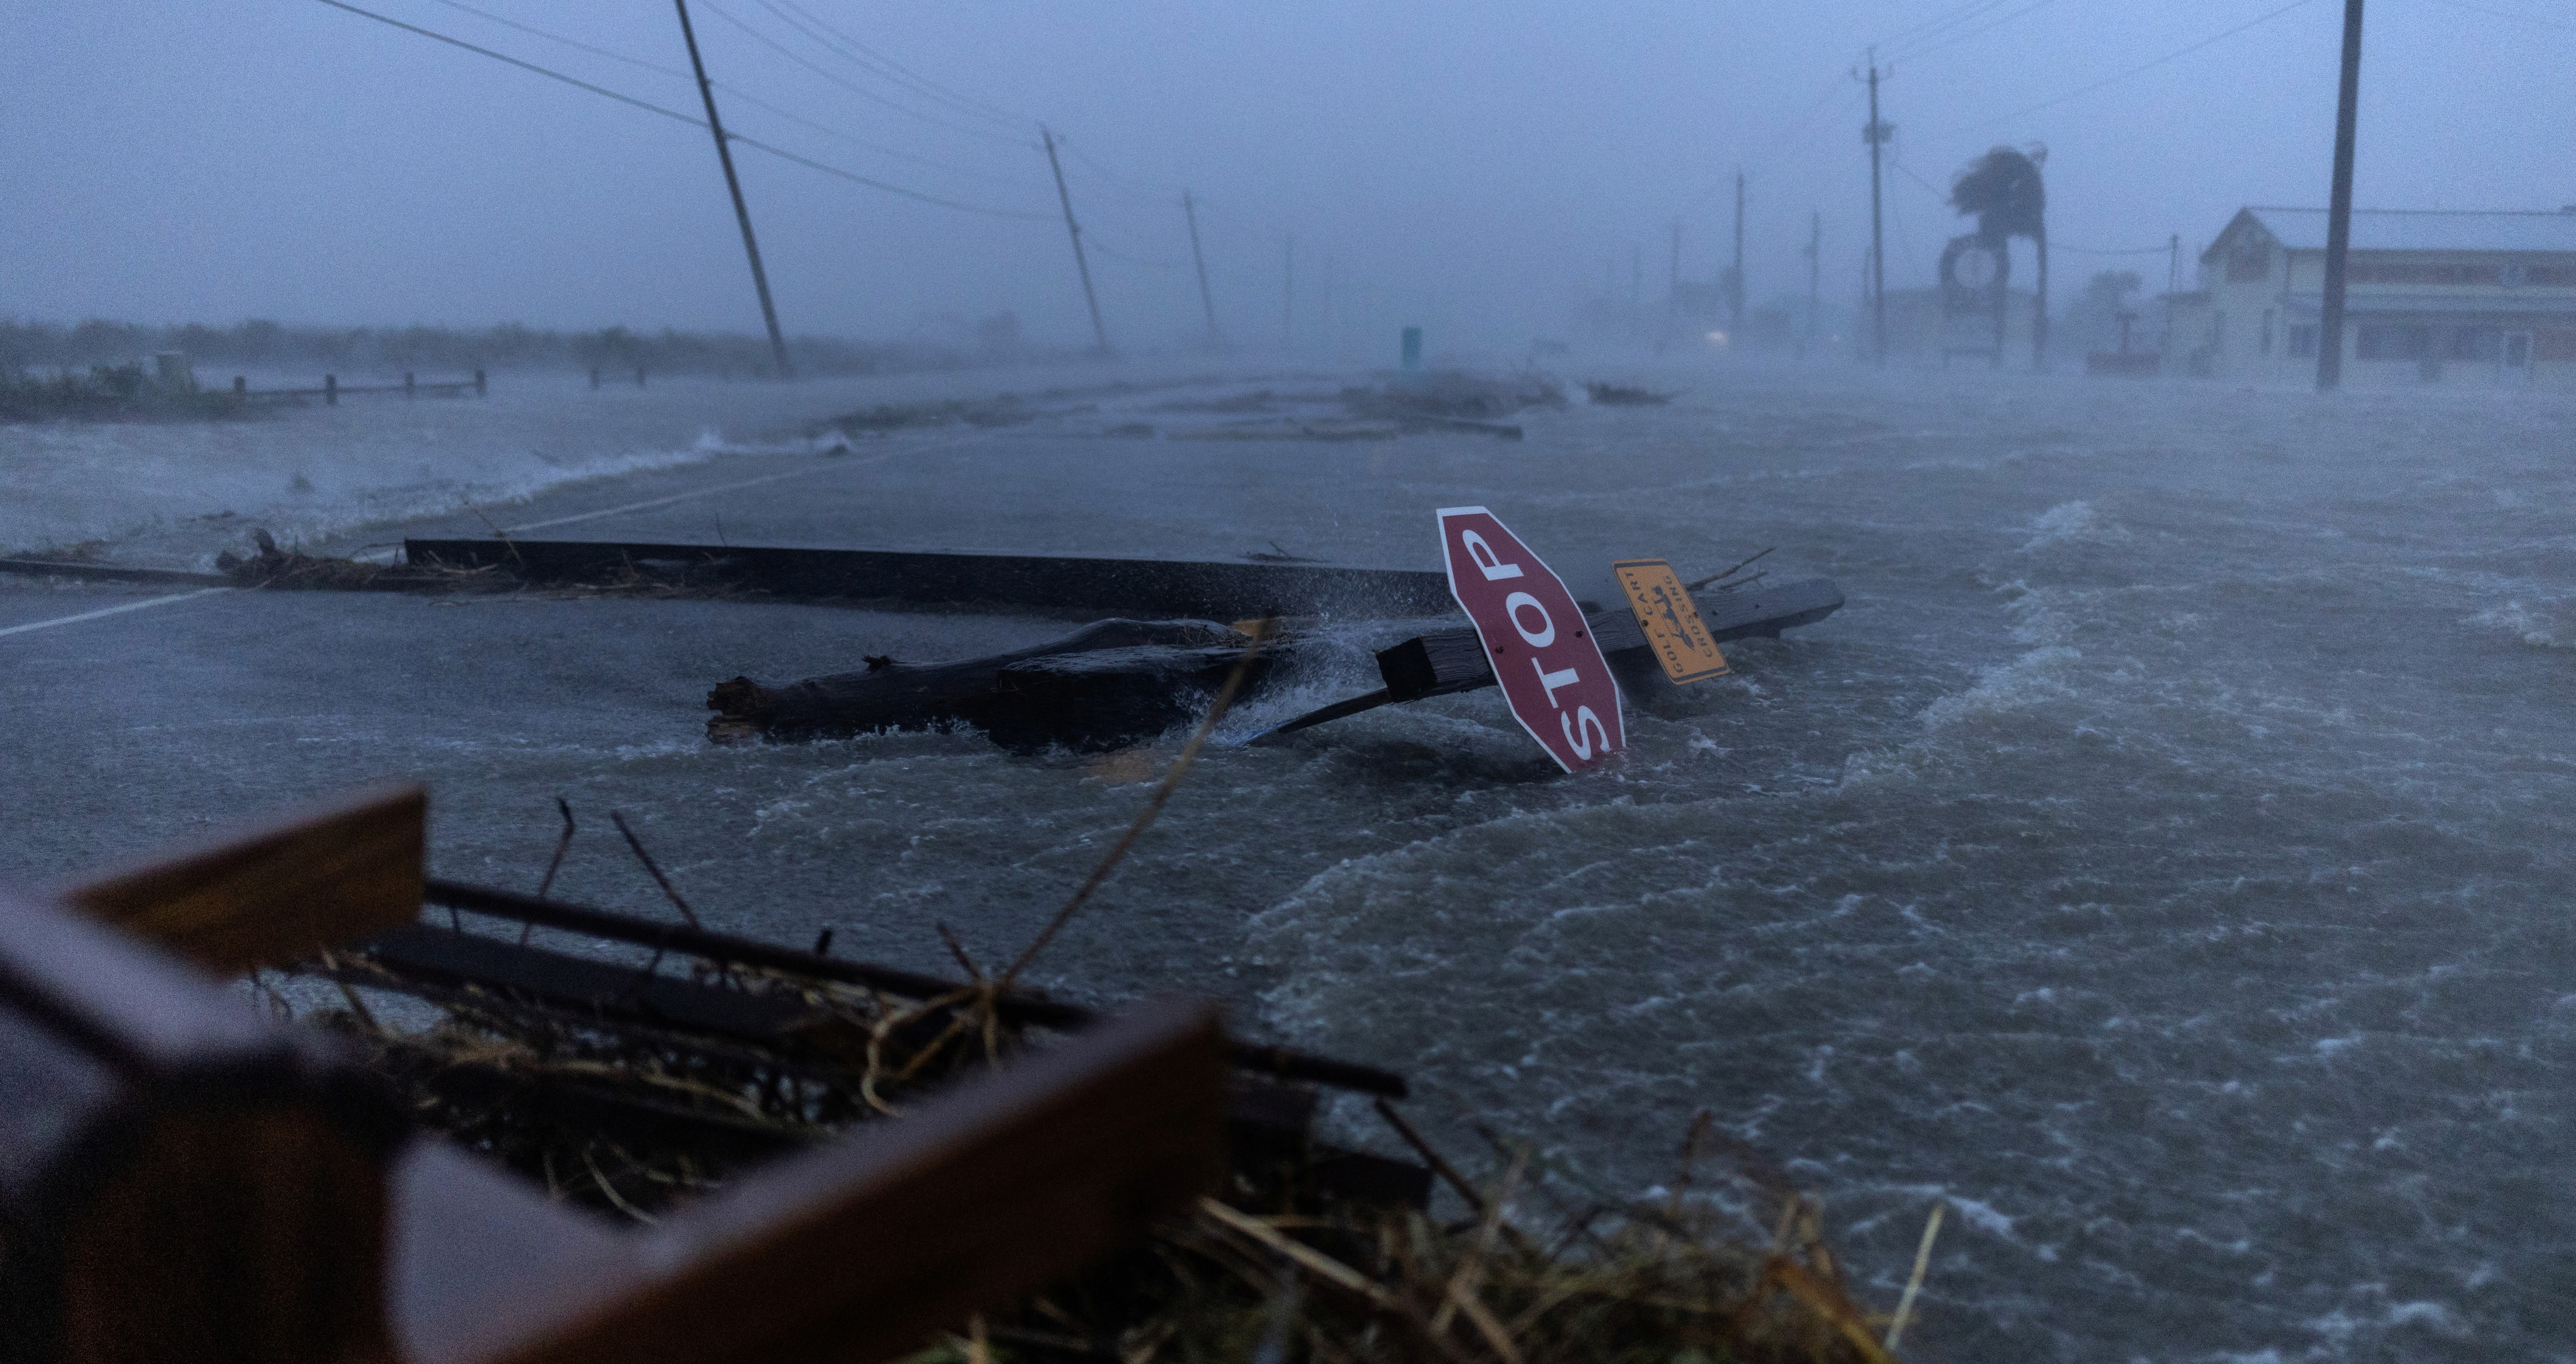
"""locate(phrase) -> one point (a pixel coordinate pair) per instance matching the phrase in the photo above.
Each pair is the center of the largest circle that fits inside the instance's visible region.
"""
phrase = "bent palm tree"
(2003, 189)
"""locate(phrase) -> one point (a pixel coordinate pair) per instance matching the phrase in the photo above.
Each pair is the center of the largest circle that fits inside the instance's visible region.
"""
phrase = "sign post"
(1543, 655)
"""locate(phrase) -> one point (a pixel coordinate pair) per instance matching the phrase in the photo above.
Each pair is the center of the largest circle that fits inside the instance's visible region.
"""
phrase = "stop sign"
(1542, 652)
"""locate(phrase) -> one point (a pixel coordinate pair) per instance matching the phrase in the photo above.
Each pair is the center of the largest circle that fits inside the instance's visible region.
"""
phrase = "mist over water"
(2162, 857)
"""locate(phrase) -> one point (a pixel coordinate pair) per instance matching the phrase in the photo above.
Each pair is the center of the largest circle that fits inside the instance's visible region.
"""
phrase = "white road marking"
(113, 610)
(835, 466)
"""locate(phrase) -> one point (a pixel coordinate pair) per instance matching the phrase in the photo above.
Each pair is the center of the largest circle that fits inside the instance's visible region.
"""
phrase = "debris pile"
(637, 1091)
(1623, 395)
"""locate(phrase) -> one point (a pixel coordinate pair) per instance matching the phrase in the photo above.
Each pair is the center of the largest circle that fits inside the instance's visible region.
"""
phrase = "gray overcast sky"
(1474, 166)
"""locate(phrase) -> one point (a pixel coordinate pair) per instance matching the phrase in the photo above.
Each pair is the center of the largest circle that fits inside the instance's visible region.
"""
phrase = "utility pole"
(1673, 300)
(1735, 280)
(1207, 300)
(724, 154)
(2173, 281)
(1876, 135)
(1815, 278)
(1074, 230)
(2339, 206)
(1288, 299)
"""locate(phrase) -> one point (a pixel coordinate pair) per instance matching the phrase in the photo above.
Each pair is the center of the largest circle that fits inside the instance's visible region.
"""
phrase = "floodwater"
(2164, 857)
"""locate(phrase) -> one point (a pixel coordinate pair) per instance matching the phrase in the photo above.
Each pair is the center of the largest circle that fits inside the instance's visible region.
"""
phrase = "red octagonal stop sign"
(1544, 655)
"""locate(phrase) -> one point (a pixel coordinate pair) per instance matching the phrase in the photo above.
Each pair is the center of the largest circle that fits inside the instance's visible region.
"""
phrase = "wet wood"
(1016, 1007)
(276, 893)
(896, 695)
(184, 1179)
(1046, 582)
(860, 1251)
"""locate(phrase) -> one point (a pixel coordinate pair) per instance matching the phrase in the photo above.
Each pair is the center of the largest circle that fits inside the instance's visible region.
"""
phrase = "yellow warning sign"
(1671, 622)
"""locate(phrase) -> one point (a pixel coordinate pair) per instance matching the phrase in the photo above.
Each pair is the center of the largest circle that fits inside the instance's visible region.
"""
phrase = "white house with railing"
(2429, 297)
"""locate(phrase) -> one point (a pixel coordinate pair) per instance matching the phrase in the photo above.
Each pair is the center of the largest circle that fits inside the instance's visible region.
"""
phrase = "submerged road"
(2164, 858)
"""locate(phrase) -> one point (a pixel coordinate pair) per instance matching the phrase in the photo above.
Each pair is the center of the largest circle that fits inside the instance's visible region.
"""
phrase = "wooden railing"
(183, 1178)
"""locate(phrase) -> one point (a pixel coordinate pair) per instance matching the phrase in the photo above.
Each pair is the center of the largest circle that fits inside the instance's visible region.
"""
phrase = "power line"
(2055, 245)
(568, 42)
(1937, 192)
(2509, 14)
(779, 152)
(1955, 17)
(743, 95)
(869, 59)
(2264, 18)
(857, 179)
(524, 66)
(862, 92)
(1955, 39)
(1120, 182)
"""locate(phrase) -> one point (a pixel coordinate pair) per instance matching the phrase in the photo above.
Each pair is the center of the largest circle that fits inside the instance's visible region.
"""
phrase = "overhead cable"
(1952, 40)
(779, 152)
(1955, 17)
(744, 96)
(867, 59)
(2509, 14)
(2264, 18)
(854, 88)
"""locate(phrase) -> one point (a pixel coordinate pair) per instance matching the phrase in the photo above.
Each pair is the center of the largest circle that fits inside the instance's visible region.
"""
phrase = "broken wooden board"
(1015, 1007)
(1043, 582)
(860, 1251)
(275, 894)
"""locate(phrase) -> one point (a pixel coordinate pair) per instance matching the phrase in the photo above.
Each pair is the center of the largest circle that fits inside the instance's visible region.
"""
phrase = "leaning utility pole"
(724, 153)
(1735, 285)
(1288, 298)
(1206, 300)
(1074, 230)
(1876, 135)
(2339, 207)
(1673, 299)
(1815, 277)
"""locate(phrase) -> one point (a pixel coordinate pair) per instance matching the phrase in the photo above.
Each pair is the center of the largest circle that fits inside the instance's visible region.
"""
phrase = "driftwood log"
(1118, 682)
(1103, 686)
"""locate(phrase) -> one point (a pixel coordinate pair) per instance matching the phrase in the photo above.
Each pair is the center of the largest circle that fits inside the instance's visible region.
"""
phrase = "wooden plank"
(111, 573)
(1013, 1006)
(184, 1179)
(856, 1252)
(278, 893)
(1219, 589)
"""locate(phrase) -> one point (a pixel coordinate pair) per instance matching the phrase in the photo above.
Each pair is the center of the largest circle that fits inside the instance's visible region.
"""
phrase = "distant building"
(2429, 297)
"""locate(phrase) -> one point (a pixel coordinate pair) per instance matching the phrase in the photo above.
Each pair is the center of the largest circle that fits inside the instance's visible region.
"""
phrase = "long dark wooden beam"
(856, 1251)
(1014, 1007)
(1218, 589)
(271, 895)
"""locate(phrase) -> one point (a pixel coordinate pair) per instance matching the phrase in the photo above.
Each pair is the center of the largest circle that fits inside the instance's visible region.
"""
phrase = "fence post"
(241, 385)
(479, 389)
(331, 390)
(594, 376)
(410, 388)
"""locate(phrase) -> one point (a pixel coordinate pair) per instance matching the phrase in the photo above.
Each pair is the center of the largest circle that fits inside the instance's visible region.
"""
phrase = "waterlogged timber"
(1120, 682)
